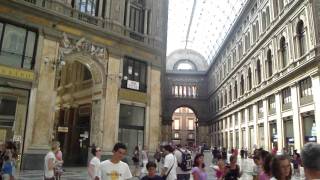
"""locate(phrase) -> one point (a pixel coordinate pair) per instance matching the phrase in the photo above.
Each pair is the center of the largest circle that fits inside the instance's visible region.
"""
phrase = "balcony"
(107, 25)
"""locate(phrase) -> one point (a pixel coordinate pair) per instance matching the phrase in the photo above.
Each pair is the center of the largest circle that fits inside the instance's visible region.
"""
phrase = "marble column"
(247, 128)
(39, 129)
(255, 122)
(155, 109)
(111, 111)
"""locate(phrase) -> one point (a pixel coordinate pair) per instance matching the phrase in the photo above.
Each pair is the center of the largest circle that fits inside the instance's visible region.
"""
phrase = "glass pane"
(143, 73)
(131, 116)
(12, 49)
(29, 50)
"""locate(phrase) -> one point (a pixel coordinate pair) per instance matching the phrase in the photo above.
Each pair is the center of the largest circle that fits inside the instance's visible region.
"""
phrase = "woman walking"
(281, 168)
(198, 171)
(94, 163)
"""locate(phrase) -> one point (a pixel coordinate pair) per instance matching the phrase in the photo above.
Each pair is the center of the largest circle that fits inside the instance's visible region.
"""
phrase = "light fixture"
(54, 63)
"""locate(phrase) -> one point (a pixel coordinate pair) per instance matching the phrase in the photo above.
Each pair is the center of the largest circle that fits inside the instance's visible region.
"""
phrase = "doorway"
(73, 132)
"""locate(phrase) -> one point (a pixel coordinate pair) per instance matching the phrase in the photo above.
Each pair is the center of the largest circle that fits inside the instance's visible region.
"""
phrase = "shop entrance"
(13, 113)
(73, 133)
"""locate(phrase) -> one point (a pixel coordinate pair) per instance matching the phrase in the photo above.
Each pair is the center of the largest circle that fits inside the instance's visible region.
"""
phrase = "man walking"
(115, 169)
(170, 164)
(183, 171)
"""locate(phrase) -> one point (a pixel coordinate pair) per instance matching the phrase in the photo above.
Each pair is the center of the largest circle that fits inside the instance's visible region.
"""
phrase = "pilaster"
(296, 117)
(316, 96)
(279, 120)
(266, 124)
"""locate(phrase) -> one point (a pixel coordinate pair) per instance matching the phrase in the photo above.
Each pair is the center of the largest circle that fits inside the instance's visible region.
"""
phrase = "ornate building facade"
(264, 81)
(261, 88)
(81, 72)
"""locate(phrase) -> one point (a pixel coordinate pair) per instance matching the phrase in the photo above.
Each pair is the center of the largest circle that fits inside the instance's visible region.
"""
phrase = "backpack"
(186, 161)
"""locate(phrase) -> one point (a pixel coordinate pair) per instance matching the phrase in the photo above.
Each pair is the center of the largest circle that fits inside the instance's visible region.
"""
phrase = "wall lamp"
(54, 63)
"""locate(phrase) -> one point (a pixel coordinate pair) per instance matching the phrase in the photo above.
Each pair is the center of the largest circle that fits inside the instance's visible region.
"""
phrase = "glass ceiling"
(201, 25)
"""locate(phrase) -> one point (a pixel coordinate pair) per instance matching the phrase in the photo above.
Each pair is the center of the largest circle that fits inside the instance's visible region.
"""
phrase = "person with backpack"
(184, 160)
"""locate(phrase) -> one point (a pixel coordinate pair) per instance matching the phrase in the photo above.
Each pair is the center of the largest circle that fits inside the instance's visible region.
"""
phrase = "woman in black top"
(233, 169)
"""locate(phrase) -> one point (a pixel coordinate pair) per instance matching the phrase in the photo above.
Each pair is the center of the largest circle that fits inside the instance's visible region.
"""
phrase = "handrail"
(106, 24)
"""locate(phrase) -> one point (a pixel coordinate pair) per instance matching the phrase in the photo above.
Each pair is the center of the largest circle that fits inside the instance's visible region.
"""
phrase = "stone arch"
(95, 67)
(186, 54)
(196, 112)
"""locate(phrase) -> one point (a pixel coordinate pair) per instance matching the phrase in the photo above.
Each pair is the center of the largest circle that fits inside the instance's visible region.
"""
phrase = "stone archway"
(86, 105)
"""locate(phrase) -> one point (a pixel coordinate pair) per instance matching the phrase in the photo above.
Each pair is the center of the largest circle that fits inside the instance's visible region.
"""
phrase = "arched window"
(235, 89)
(264, 21)
(258, 71)
(254, 33)
(283, 52)
(268, 16)
(269, 63)
(249, 79)
(230, 93)
(185, 65)
(240, 50)
(301, 38)
(241, 85)
(257, 31)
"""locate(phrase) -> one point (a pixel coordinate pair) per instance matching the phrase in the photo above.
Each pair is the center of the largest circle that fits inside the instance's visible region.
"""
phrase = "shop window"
(17, 46)
(260, 109)
(134, 74)
(286, 98)
(305, 87)
(272, 105)
(273, 134)
(7, 111)
(251, 113)
(288, 134)
(309, 127)
(243, 116)
(261, 135)
(236, 121)
(131, 125)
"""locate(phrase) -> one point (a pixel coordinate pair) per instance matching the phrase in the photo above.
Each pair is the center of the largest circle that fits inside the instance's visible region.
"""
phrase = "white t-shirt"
(96, 163)
(178, 155)
(49, 173)
(111, 171)
(171, 161)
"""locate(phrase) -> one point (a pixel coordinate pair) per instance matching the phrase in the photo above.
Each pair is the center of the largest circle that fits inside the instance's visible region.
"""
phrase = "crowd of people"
(179, 163)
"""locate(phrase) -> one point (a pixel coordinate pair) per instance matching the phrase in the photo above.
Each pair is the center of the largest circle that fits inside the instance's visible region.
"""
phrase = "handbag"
(164, 177)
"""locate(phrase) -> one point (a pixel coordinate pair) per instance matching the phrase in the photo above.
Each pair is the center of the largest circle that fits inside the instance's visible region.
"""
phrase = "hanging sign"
(63, 129)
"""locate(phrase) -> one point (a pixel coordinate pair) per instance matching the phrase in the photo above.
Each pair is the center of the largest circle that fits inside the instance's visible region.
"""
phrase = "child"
(219, 169)
(7, 169)
(151, 168)
(58, 168)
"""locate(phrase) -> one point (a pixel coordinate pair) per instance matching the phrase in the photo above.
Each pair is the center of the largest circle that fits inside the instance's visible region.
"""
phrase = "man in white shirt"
(181, 174)
(115, 169)
(170, 164)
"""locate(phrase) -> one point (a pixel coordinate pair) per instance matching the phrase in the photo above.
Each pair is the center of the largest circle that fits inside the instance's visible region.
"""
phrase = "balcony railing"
(60, 7)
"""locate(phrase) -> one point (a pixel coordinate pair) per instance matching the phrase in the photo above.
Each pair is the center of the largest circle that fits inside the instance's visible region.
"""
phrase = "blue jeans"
(183, 176)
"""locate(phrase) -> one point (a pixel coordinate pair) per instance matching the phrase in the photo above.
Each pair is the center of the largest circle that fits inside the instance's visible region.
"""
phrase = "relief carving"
(97, 53)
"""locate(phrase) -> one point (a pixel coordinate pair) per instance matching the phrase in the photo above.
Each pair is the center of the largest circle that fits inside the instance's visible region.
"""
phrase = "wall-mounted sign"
(133, 85)
(63, 129)
(18, 74)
